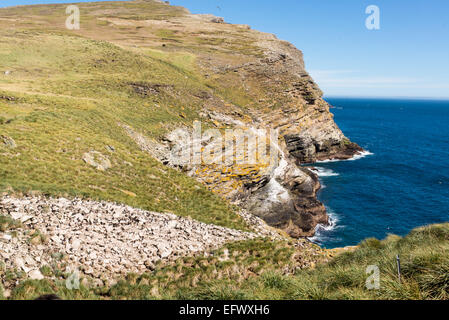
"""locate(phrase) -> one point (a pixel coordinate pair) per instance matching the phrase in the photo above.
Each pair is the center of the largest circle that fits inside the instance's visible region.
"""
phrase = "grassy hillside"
(262, 269)
(155, 68)
(150, 66)
(67, 94)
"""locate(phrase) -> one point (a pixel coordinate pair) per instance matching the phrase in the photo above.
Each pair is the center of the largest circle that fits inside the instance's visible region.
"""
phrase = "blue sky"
(407, 57)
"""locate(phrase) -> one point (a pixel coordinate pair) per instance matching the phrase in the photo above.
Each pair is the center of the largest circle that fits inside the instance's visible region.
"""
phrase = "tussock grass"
(424, 256)
(8, 223)
(68, 92)
(68, 96)
(250, 270)
(218, 275)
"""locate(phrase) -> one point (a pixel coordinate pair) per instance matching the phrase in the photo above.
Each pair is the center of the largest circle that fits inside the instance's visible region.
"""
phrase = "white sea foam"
(327, 161)
(361, 155)
(357, 156)
(321, 231)
(324, 172)
(324, 232)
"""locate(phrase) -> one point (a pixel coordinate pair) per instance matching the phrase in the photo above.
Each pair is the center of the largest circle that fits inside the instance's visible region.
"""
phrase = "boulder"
(217, 20)
(35, 275)
(97, 160)
(8, 141)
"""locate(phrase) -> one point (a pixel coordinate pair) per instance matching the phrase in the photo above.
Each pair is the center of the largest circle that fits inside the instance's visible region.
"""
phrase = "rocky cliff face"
(269, 76)
(147, 70)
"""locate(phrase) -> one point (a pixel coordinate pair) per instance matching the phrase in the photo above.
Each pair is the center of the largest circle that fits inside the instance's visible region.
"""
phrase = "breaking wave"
(324, 172)
(325, 232)
(357, 156)
(361, 155)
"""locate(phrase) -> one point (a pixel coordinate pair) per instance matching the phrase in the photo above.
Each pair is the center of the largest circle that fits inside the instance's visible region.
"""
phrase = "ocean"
(400, 184)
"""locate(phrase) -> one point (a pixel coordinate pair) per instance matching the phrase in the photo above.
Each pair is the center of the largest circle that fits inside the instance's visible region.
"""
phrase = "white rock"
(76, 243)
(164, 251)
(56, 239)
(7, 237)
(29, 260)
(35, 275)
(172, 224)
(25, 218)
(17, 215)
(7, 293)
(104, 238)
(19, 262)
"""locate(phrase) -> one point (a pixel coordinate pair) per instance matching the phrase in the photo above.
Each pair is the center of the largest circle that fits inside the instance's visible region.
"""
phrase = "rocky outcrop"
(102, 239)
(235, 77)
(8, 141)
(281, 192)
(288, 202)
(308, 149)
(274, 188)
(97, 160)
(303, 117)
(284, 196)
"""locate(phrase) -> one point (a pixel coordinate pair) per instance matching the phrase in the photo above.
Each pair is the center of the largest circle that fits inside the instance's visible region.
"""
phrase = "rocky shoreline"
(284, 196)
(281, 192)
(222, 75)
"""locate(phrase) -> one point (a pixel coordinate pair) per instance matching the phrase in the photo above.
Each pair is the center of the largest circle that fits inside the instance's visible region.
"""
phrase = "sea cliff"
(89, 123)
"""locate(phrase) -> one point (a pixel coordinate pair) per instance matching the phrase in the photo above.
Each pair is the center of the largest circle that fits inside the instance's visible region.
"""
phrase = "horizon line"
(386, 97)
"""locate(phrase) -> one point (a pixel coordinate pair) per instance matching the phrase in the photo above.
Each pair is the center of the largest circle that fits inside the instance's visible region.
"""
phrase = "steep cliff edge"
(77, 101)
(260, 82)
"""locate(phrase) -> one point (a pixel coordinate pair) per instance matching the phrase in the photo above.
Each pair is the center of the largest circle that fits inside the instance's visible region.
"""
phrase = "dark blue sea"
(402, 184)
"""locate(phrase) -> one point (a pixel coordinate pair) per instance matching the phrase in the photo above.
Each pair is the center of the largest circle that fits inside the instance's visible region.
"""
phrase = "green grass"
(8, 223)
(424, 256)
(55, 119)
(69, 92)
(215, 276)
(254, 270)
(425, 264)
